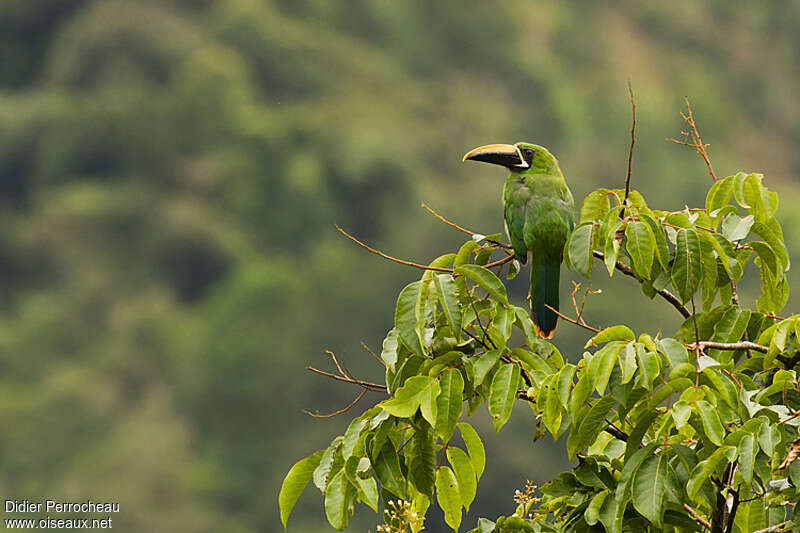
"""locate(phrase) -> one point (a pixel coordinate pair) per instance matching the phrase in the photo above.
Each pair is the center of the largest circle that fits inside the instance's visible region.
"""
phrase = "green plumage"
(539, 218)
(538, 212)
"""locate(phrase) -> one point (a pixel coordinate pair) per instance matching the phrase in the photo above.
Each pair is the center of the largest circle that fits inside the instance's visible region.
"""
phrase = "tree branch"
(633, 141)
(775, 528)
(699, 519)
(664, 293)
(580, 323)
(346, 379)
(390, 258)
(741, 345)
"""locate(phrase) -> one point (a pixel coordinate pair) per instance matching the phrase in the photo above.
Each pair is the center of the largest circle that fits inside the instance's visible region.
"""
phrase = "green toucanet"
(538, 211)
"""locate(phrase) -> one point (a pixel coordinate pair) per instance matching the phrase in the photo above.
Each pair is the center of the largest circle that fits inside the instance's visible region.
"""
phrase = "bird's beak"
(506, 155)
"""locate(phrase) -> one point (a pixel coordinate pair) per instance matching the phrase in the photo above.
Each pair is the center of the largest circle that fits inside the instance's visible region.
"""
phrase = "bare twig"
(346, 379)
(696, 142)
(633, 141)
(378, 359)
(699, 519)
(460, 228)
(340, 411)
(499, 262)
(449, 223)
(775, 528)
(568, 319)
(390, 258)
(664, 293)
(741, 345)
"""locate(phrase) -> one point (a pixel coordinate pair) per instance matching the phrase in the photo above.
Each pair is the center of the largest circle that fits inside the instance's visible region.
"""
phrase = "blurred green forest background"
(171, 172)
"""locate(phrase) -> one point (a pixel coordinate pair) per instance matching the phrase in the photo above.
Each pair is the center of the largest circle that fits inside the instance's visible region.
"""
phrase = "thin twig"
(699, 519)
(664, 293)
(741, 345)
(390, 258)
(449, 223)
(775, 528)
(633, 141)
(568, 319)
(340, 411)
(360, 383)
(696, 140)
(372, 353)
(460, 228)
(502, 261)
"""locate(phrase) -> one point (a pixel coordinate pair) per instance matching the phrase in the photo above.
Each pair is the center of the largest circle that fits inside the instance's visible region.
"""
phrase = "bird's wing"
(515, 215)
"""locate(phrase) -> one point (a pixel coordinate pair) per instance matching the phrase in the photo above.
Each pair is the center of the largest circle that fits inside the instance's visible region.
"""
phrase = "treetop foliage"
(681, 432)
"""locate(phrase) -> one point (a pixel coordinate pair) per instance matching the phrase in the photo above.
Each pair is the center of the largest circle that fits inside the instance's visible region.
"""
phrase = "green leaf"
(421, 459)
(686, 269)
(747, 456)
(680, 412)
(602, 364)
(705, 468)
(720, 194)
(613, 333)
(477, 454)
(485, 279)
(627, 363)
(329, 459)
(405, 318)
(595, 206)
(484, 363)
(448, 297)
(641, 245)
(628, 470)
(368, 491)
(550, 405)
(735, 228)
(294, 483)
(711, 422)
(389, 351)
(775, 241)
(418, 391)
(465, 475)
(564, 383)
(611, 247)
(662, 250)
(650, 485)
(594, 422)
(448, 496)
(592, 513)
(388, 472)
(337, 500)
(502, 394)
(767, 255)
(581, 391)
(351, 436)
(676, 352)
(449, 402)
(579, 249)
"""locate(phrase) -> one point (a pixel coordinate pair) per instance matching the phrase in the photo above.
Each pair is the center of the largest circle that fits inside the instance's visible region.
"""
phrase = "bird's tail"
(544, 291)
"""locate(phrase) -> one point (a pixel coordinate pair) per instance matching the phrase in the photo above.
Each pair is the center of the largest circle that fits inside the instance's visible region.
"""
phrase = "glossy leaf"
(448, 297)
(477, 454)
(294, 483)
(686, 269)
(579, 249)
(486, 279)
(465, 475)
(448, 496)
(641, 245)
(502, 394)
(449, 402)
